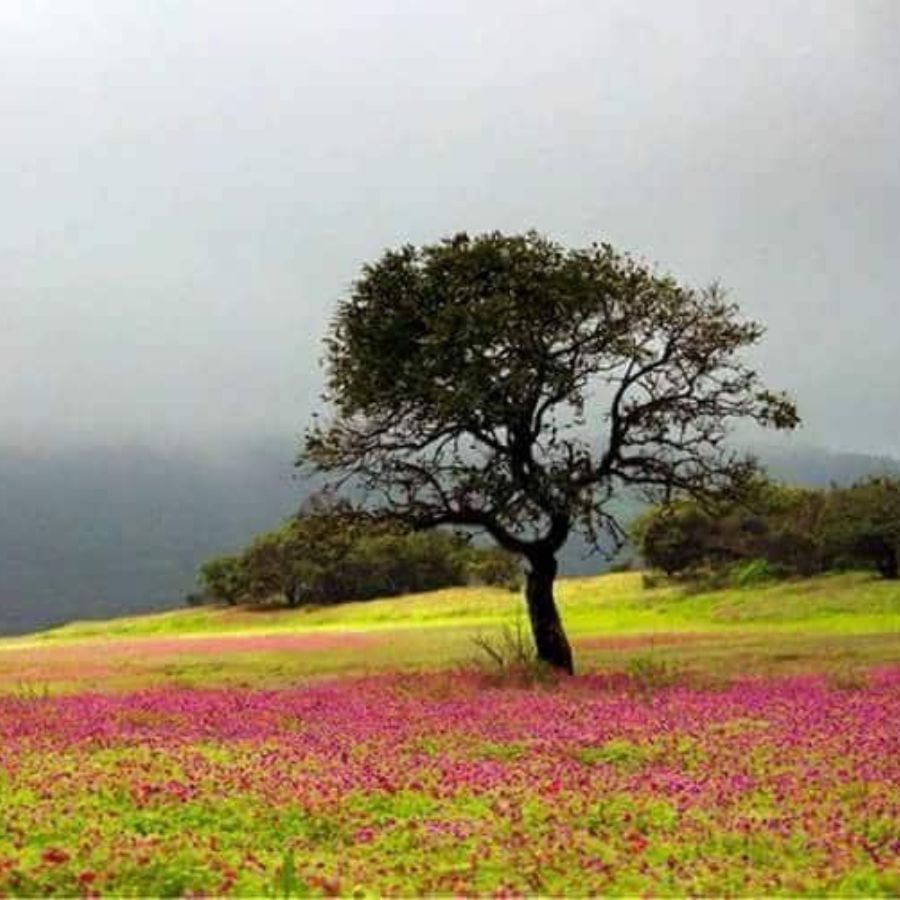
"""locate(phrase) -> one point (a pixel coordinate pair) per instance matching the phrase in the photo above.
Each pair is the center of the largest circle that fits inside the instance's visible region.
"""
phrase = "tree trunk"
(549, 637)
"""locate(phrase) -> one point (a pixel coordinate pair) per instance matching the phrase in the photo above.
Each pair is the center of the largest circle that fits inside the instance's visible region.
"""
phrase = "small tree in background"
(224, 578)
(507, 384)
(676, 537)
(785, 526)
(332, 553)
(864, 525)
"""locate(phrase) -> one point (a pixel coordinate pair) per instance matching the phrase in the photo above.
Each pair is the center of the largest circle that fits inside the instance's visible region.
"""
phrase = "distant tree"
(794, 537)
(333, 553)
(782, 525)
(675, 537)
(276, 568)
(305, 559)
(864, 525)
(496, 567)
(463, 376)
(225, 578)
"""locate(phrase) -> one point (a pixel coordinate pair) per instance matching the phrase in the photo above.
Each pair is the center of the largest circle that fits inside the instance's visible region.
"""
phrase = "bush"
(779, 525)
(793, 531)
(674, 537)
(225, 578)
(863, 526)
(646, 674)
(494, 567)
(331, 553)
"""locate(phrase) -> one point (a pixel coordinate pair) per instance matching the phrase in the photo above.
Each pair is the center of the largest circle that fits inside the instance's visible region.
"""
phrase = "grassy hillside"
(829, 621)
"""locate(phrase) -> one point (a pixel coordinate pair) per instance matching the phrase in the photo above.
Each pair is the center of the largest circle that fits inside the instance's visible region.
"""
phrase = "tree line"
(332, 552)
(775, 530)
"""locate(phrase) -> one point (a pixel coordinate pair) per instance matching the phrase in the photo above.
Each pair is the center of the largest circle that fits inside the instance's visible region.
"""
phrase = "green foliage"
(770, 530)
(224, 578)
(863, 525)
(288, 884)
(674, 537)
(331, 553)
(755, 571)
(461, 376)
(775, 531)
(494, 567)
(620, 753)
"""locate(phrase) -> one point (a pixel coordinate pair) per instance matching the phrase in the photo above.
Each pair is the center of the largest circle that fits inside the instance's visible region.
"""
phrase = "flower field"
(442, 784)
(181, 755)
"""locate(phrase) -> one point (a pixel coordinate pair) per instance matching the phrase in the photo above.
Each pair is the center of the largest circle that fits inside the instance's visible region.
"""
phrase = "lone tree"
(510, 385)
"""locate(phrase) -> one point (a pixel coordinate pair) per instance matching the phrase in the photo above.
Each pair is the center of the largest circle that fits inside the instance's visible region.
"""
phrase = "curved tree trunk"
(546, 626)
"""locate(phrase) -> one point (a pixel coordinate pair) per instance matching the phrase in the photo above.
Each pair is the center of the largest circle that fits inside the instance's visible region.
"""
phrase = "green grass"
(609, 604)
(837, 623)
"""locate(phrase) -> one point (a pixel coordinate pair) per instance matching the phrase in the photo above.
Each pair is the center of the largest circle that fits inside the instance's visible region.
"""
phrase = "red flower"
(55, 856)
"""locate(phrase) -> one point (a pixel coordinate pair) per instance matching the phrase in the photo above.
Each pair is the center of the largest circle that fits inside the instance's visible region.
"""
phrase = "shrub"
(331, 553)
(494, 567)
(674, 537)
(783, 526)
(648, 674)
(225, 578)
(863, 526)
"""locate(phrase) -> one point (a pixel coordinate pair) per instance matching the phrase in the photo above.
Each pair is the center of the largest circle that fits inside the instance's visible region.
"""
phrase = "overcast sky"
(188, 186)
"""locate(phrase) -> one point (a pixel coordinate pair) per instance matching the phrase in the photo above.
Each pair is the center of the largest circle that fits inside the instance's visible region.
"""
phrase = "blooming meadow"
(444, 783)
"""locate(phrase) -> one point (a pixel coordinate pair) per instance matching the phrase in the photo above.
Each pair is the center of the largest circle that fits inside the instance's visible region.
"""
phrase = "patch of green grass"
(619, 753)
(838, 623)
(502, 751)
(607, 604)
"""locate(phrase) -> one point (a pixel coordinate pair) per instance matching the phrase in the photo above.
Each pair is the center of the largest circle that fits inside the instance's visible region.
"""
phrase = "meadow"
(741, 741)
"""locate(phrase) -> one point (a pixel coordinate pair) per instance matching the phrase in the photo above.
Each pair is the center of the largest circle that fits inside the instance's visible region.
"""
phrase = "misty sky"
(188, 186)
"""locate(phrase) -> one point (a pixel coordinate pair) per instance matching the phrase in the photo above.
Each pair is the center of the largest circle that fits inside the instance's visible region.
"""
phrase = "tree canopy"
(784, 527)
(508, 384)
(332, 553)
(864, 524)
(794, 531)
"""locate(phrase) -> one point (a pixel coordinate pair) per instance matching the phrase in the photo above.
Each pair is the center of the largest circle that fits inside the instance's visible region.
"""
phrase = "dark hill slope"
(110, 531)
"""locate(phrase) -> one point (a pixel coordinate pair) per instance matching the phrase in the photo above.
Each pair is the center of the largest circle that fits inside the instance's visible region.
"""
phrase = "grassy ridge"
(829, 623)
(608, 604)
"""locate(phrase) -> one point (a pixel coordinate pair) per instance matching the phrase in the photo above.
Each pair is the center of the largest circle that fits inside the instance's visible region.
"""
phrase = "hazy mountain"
(816, 467)
(108, 531)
